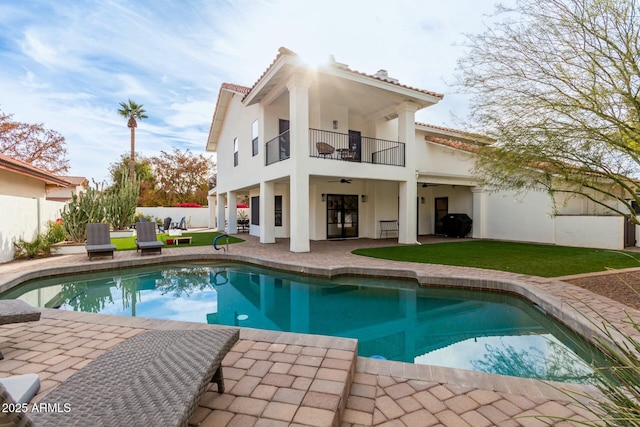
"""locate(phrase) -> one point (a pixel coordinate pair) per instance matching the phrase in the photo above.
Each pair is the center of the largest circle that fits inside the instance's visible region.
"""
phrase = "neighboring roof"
(459, 145)
(27, 169)
(75, 180)
(224, 96)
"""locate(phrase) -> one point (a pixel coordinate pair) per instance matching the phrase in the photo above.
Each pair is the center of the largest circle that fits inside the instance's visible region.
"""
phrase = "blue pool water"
(397, 320)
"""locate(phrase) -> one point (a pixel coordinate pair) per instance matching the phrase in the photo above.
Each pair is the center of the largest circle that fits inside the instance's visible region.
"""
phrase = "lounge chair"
(146, 241)
(98, 241)
(153, 379)
(17, 311)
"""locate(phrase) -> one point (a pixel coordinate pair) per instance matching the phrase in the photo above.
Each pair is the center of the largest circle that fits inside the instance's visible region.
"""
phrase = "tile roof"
(27, 169)
(235, 88)
(283, 51)
(467, 135)
(459, 145)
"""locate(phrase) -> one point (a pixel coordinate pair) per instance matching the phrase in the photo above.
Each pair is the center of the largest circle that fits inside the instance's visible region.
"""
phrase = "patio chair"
(166, 224)
(21, 388)
(98, 241)
(153, 379)
(17, 311)
(182, 225)
(146, 241)
(324, 149)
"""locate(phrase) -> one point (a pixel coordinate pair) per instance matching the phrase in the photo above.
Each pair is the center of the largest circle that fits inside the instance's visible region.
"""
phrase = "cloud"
(69, 64)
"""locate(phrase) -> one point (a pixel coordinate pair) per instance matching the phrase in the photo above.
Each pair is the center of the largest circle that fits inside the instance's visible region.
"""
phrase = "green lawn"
(197, 239)
(526, 258)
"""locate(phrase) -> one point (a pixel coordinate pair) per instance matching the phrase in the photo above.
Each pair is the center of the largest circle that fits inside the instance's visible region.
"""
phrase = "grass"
(197, 239)
(525, 258)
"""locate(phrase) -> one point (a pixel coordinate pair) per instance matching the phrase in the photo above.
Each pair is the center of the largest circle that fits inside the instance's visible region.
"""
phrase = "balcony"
(277, 149)
(353, 147)
(350, 147)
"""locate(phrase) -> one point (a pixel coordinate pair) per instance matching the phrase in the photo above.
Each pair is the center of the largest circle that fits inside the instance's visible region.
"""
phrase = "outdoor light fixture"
(363, 198)
(335, 124)
(422, 200)
(324, 197)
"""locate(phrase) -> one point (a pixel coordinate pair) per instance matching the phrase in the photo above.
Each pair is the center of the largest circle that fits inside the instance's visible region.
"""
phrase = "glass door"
(342, 216)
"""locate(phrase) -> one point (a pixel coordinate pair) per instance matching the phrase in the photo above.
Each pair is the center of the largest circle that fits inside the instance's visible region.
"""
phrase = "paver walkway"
(278, 379)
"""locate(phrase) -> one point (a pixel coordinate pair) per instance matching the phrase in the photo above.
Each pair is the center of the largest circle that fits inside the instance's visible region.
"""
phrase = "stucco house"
(24, 210)
(334, 153)
(64, 194)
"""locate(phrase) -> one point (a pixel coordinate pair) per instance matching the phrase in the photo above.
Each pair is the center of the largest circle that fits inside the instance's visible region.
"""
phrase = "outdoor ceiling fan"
(342, 181)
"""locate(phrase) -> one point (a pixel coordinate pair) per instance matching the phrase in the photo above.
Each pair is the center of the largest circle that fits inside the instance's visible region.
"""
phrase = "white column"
(299, 180)
(211, 201)
(267, 209)
(220, 202)
(479, 209)
(232, 212)
(408, 190)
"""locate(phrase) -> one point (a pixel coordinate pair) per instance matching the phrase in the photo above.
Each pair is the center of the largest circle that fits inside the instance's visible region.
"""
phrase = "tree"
(132, 111)
(144, 176)
(182, 176)
(557, 84)
(34, 144)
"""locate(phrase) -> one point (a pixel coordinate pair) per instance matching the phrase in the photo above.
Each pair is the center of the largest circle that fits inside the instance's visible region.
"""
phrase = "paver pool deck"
(279, 379)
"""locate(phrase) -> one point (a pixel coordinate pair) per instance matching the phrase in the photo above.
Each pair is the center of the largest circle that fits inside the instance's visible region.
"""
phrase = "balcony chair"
(146, 241)
(325, 149)
(99, 241)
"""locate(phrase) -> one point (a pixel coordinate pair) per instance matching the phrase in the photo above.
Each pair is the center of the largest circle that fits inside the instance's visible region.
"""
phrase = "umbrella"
(242, 206)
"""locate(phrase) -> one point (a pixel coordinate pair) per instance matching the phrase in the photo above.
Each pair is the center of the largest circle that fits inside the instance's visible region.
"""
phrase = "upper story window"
(254, 138)
(235, 151)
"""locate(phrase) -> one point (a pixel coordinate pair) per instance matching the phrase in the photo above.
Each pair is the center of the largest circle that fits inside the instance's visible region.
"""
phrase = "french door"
(342, 216)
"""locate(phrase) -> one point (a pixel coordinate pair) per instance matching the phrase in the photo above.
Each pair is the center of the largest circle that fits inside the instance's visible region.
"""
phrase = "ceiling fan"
(342, 181)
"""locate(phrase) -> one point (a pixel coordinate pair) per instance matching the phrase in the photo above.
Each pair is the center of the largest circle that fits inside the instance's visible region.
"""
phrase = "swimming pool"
(395, 319)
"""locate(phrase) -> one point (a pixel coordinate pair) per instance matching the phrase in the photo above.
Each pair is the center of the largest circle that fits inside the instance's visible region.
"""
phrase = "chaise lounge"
(99, 241)
(146, 241)
(17, 311)
(153, 379)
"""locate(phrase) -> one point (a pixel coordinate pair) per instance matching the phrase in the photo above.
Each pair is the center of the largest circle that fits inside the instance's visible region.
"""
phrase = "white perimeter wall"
(522, 217)
(605, 232)
(195, 217)
(24, 217)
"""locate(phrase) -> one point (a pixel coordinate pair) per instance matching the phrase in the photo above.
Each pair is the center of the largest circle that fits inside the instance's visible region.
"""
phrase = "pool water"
(392, 319)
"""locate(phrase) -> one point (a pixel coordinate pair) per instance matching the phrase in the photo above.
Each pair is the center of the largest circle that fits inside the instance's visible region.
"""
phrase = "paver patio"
(275, 379)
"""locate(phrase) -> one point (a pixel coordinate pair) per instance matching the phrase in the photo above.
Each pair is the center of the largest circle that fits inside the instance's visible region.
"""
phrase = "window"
(278, 211)
(254, 138)
(255, 210)
(235, 151)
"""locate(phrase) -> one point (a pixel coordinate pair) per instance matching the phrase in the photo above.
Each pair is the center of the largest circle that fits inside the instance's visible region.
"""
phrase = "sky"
(68, 64)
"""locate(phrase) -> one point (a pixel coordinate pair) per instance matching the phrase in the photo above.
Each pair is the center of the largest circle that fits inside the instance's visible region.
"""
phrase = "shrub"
(120, 203)
(55, 232)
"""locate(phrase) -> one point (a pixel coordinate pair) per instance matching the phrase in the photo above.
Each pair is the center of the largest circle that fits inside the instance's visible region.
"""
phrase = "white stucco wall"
(195, 217)
(605, 232)
(24, 217)
(525, 217)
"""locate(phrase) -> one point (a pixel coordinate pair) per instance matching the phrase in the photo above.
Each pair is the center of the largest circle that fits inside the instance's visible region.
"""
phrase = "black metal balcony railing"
(339, 146)
(277, 149)
(355, 148)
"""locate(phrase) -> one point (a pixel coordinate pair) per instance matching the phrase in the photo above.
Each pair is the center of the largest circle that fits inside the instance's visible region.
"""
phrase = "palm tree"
(132, 111)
